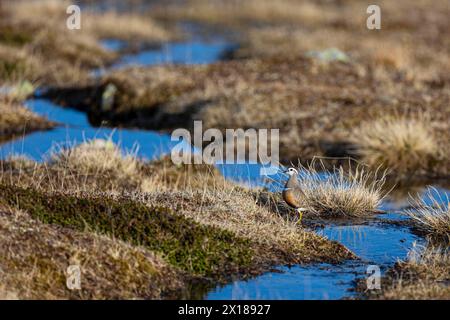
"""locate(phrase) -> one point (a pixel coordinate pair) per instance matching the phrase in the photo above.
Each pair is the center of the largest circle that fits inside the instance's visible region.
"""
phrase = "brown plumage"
(292, 192)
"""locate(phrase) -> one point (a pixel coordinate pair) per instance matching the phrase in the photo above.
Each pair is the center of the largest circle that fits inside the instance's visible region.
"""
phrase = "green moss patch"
(197, 249)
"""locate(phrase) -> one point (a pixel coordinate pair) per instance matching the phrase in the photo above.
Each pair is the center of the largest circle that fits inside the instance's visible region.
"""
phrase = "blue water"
(191, 52)
(76, 129)
(374, 243)
(315, 282)
(113, 44)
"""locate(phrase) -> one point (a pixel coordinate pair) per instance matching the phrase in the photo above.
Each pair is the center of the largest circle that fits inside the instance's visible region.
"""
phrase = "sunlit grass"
(403, 144)
(341, 192)
(432, 217)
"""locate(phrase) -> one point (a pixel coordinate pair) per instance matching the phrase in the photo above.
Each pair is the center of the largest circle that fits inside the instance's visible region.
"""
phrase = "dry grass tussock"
(402, 144)
(35, 257)
(15, 64)
(93, 165)
(423, 276)
(95, 157)
(432, 217)
(341, 192)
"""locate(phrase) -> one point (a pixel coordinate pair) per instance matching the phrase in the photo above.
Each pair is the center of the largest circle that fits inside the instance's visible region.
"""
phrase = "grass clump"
(16, 120)
(434, 217)
(195, 248)
(96, 158)
(97, 165)
(424, 276)
(15, 64)
(404, 145)
(35, 257)
(339, 192)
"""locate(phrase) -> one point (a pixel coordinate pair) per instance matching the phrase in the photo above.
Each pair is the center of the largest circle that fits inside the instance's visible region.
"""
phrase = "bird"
(292, 192)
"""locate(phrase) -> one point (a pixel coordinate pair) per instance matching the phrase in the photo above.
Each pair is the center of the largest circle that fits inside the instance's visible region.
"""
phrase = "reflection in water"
(378, 244)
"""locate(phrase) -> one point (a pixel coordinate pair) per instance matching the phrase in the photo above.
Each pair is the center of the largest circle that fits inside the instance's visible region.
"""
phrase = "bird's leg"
(300, 212)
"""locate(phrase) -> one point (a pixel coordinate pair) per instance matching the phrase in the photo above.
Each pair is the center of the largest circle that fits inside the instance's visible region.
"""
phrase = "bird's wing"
(298, 194)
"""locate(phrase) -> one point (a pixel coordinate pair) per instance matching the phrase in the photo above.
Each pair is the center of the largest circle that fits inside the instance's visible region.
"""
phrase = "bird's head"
(291, 171)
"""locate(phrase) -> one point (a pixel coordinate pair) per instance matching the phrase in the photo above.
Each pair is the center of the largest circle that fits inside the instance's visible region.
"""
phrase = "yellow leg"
(300, 212)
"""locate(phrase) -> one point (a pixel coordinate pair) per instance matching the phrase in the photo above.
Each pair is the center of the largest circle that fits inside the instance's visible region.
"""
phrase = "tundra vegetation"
(422, 276)
(312, 69)
(38, 50)
(128, 221)
(143, 229)
(16, 120)
(425, 274)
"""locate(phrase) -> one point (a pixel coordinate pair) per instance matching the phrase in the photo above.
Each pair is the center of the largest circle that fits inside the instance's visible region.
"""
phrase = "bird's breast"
(290, 199)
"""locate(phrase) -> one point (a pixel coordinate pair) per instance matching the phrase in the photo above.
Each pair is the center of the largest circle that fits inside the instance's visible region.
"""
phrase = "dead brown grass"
(411, 38)
(48, 52)
(239, 211)
(432, 218)
(36, 256)
(197, 192)
(318, 107)
(97, 169)
(96, 25)
(38, 46)
(423, 277)
(250, 11)
(401, 144)
(125, 26)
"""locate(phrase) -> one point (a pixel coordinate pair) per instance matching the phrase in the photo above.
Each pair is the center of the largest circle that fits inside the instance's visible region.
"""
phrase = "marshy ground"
(205, 230)
(325, 104)
(152, 229)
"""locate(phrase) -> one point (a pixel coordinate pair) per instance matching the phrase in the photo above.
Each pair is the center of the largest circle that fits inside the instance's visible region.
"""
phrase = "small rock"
(327, 55)
(108, 97)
